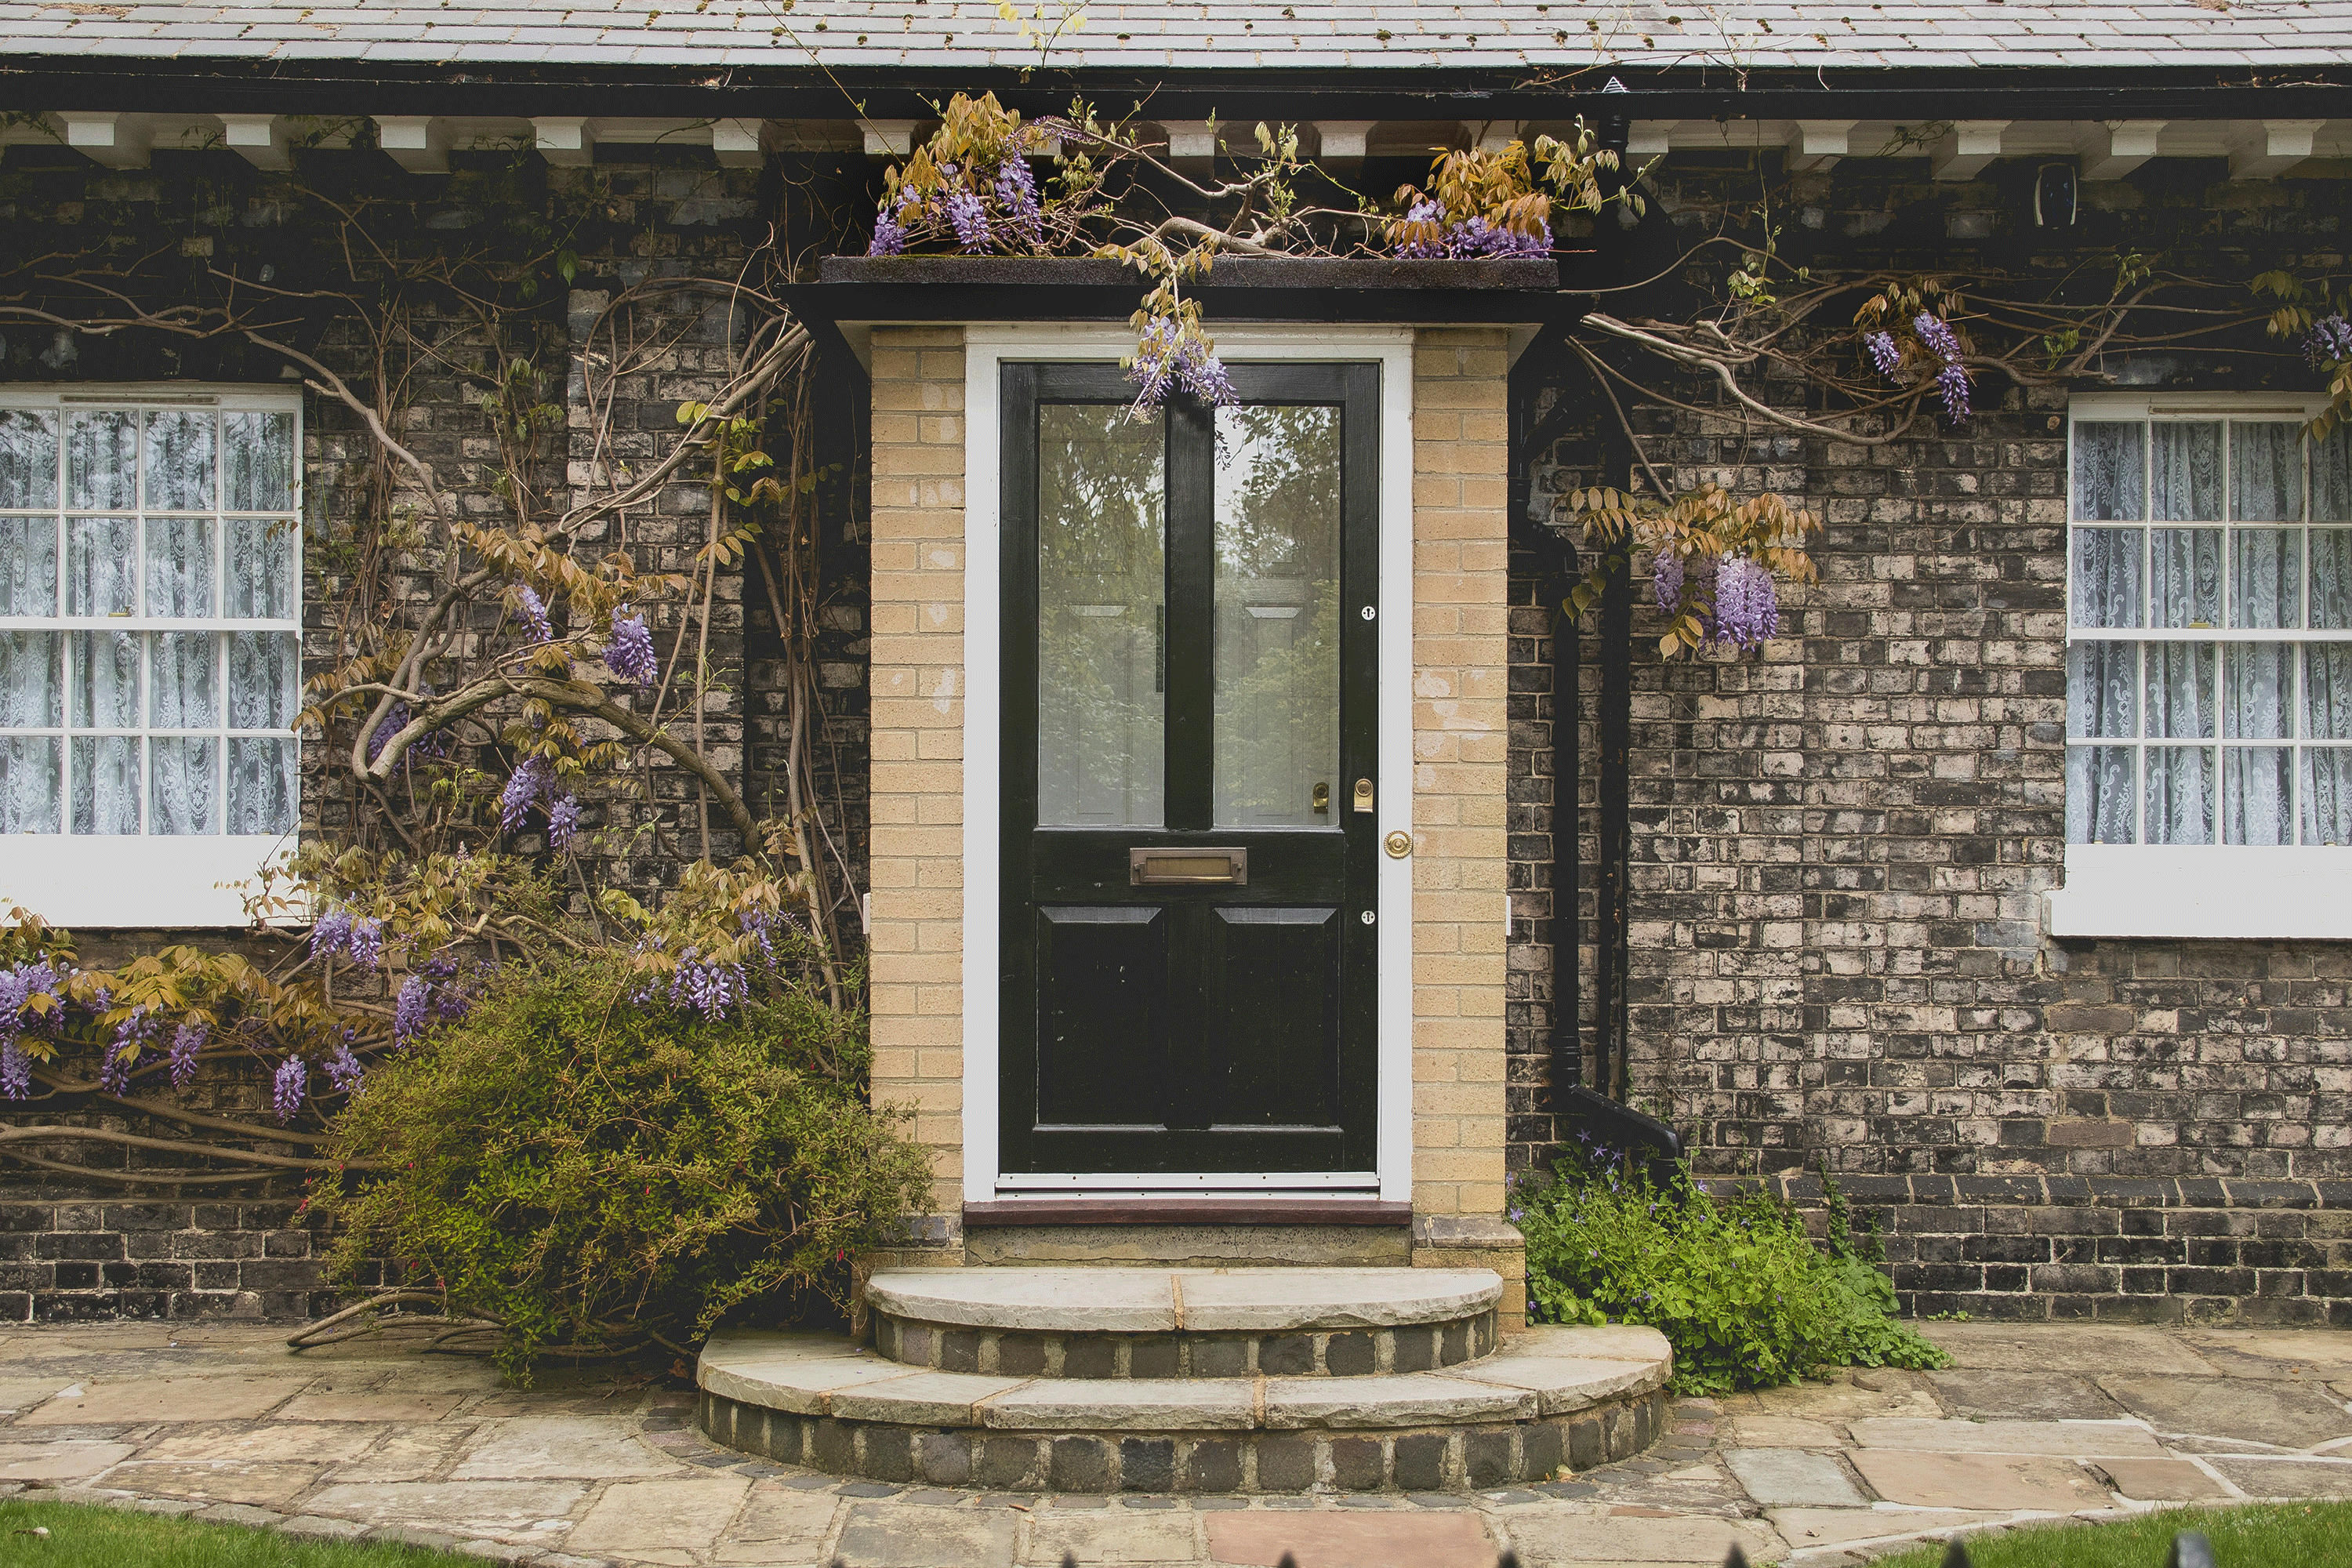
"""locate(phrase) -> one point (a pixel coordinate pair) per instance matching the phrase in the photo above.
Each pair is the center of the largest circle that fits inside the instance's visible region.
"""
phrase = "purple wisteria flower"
(1666, 571)
(287, 1088)
(410, 1010)
(630, 653)
(329, 932)
(969, 214)
(1167, 356)
(532, 612)
(1016, 191)
(532, 777)
(395, 720)
(2328, 342)
(890, 237)
(1937, 334)
(1470, 238)
(343, 1069)
(15, 1069)
(134, 1040)
(562, 821)
(1952, 383)
(1746, 606)
(186, 1041)
(1883, 352)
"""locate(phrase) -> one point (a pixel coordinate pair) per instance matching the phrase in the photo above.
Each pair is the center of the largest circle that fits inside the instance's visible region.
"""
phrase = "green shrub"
(1737, 1287)
(590, 1171)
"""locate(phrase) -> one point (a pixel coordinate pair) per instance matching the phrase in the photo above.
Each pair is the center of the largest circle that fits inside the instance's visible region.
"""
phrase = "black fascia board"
(334, 89)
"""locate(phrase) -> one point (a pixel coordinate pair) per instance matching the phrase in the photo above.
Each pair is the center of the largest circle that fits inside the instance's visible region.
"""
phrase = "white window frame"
(150, 881)
(2197, 890)
(987, 348)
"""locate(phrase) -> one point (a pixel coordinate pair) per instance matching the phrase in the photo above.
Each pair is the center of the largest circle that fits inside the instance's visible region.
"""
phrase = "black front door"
(1189, 843)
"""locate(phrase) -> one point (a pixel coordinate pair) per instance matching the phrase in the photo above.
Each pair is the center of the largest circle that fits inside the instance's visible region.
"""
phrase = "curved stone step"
(1184, 1323)
(1553, 1399)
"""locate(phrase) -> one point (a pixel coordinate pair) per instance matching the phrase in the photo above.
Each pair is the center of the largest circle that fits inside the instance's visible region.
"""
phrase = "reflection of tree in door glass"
(1101, 614)
(1276, 731)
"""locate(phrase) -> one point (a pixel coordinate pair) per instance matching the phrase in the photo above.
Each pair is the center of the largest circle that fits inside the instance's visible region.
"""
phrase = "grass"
(2254, 1535)
(82, 1536)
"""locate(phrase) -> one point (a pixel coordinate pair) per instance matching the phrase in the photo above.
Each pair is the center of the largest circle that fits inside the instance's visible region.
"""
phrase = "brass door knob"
(1397, 844)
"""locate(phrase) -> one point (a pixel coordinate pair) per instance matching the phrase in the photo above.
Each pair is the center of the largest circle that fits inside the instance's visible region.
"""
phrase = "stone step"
(1089, 1323)
(1551, 1399)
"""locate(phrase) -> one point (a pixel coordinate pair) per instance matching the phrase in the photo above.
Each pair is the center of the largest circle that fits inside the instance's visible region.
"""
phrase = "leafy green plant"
(1738, 1287)
(581, 1165)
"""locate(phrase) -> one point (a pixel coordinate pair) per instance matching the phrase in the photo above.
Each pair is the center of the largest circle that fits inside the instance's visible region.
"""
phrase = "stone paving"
(220, 1421)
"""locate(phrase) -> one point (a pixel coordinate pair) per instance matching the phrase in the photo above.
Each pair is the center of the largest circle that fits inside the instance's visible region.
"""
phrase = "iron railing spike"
(1956, 1556)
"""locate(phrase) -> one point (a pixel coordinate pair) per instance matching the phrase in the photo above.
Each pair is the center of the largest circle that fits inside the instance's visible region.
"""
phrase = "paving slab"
(801, 1385)
(1977, 1480)
(407, 1454)
(1275, 1300)
(58, 1461)
(24, 1393)
(265, 1444)
(1988, 1393)
(2162, 1480)
(464, 1508)
(2053, 1437)
(259, 1486)
(671, 1521)
(1845, 1401)
(166, 1399)
(2282, 1414)
(382, 1404)
(921, 1398)
(779, 1525)
(1319, 1540)
(1551, 1541)
(2293, 1353)
(525, 1449)
(1397, 1399)
(1101, 1300)
(1134, 1405)
(1792, 1477)
(1594, 1341)
(1119, 1538)
(881, 1537)
(2065, 1347)
(1810, 1527)
(1562, 1385)
(2288, 1478)
(1782, 1432)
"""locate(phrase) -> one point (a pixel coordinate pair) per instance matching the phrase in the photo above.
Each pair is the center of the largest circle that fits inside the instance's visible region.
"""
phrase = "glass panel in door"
(1101, 617)
(1275, 734)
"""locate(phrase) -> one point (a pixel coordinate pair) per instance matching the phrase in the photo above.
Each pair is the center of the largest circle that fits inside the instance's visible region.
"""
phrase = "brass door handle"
(1320, 799)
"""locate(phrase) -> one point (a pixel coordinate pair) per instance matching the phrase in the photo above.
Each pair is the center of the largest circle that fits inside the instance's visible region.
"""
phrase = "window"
(2209, 662)
(150, 622)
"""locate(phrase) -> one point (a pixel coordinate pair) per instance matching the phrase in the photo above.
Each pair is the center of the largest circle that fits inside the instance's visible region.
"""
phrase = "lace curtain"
(176, 516)
(2215, 529)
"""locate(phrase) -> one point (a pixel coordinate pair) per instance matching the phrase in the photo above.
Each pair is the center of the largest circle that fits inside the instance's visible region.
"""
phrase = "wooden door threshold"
(1185, 1210)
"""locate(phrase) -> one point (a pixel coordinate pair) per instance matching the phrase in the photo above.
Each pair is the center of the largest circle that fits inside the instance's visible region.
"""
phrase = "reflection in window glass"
(1276, 731)
(2106, 576)
(2111, 471)
(1101, 617)
(2186, 460)
(2266, 472)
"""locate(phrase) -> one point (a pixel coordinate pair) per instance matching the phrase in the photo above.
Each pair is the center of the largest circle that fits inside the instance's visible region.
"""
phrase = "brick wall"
(1460, 480)
(919, 683)
(1839, 844)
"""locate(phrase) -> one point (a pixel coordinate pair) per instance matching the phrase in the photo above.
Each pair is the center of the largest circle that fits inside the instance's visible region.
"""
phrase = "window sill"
(148, 883)
(2203, 892)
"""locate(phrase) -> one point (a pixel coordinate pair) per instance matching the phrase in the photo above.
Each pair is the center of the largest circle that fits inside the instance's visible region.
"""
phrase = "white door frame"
(986, 348)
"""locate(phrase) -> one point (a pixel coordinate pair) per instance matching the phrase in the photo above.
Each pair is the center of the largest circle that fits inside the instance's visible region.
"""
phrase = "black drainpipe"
(1576, 1107)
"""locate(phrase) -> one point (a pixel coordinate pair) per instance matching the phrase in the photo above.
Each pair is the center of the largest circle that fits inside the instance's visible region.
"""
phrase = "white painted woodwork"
(889, 138)
(2274, 147)
(117, 141)
(1343, 141)
(1816, 145)
(2218, 892)
(1965, 148)
(1496, 134)
(2114, 149)
(418, 143)
(736, 143)
(1648, 138)
(86, 882)
(569, 143)
(1192, 140)
(260, 138)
